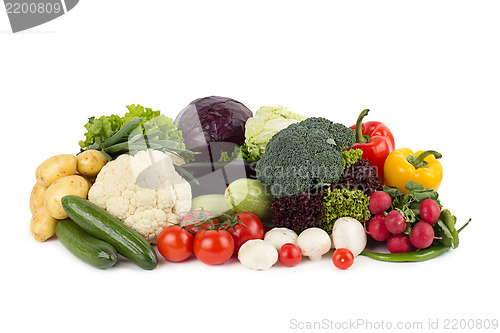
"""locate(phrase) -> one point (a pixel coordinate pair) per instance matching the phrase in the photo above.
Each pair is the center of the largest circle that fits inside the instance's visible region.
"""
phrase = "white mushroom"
(280, 237)
(258, 254)
(314, 242)
(349, 233)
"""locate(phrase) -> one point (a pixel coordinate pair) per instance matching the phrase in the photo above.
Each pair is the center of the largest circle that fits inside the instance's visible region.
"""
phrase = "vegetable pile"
(220, 184)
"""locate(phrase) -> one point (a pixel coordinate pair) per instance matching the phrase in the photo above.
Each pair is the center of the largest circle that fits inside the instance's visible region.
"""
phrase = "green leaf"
(449, 221)
(443, 232)
(394, 192)
(102, 128)
(421, 195)
(407, 231)
(154, 125)
(412, 186)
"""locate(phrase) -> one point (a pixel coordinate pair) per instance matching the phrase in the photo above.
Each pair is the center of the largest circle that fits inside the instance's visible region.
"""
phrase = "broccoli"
(342, 136)
(304, 155)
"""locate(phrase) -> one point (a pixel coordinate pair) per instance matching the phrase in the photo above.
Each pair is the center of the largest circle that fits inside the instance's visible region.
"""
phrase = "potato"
(90, 162)
(36, 198)
(42, 225)
(70, 185)
(54, 168)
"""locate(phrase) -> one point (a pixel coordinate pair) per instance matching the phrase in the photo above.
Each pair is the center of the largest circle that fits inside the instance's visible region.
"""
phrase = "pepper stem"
(360, 138)
(419, 162)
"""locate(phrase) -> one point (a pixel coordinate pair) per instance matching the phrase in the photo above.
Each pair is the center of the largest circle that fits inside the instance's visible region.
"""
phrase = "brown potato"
(54, 168)
(70, 185)
(42, 225)
(36, 198)
(90, 162)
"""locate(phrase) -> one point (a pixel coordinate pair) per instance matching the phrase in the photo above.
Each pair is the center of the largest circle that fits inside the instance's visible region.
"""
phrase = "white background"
(428, 69)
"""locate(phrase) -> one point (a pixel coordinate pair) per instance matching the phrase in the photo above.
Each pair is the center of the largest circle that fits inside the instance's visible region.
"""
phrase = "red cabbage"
(213, 125)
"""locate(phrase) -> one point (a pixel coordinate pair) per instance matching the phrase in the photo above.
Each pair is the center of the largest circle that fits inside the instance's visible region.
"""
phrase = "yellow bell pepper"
(402, 165)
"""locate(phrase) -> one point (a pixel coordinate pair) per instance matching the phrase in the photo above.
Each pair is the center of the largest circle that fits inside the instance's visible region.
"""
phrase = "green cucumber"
(89, 249)
(101, 224)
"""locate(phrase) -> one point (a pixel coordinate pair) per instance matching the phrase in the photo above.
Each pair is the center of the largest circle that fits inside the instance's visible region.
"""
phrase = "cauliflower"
(144, 191)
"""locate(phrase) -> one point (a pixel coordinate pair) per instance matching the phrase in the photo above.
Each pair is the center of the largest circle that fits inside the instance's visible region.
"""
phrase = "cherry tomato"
(290, 255)
(175, 243)
(192, 218)
(249, 228)
(213, 247)
(342, 258)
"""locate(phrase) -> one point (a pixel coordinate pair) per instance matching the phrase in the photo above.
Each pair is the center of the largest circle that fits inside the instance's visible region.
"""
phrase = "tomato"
(175, 243)
(249, 228)
(197, 217)
(342, 258)
(213, 247)
(290, 255)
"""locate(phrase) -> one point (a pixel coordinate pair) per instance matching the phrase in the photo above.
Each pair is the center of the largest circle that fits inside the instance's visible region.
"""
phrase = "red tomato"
(213, 247)
(290, 255)
(342, 258)
(188, 223)
(175, 243)
(249, 228)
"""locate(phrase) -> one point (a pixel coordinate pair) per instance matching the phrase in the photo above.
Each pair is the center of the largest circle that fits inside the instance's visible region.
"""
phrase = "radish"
(376, 228)
(379, 202)
(399, 243)
(422, 235)
(395, 222)
(429, 210)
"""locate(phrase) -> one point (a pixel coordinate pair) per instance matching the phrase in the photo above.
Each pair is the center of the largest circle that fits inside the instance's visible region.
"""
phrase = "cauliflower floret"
(144, 191)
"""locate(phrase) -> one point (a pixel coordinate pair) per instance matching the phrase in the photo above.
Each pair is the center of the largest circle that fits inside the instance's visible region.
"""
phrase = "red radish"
(422, 235)
(395, 222)
(399, 243)
(379, 202)
(376, 228)
(429, 211)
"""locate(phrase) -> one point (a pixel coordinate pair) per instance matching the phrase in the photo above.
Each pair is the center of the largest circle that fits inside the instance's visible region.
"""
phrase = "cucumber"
(89, 249)
(101, 224)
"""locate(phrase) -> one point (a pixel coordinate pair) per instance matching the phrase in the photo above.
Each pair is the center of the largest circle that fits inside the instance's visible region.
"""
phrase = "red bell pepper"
(375, 140)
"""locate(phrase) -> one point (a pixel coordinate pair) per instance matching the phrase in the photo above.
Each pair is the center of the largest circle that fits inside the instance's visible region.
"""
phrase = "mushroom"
(314, 242)
(258, 254)
(281, 236)
(350, 234)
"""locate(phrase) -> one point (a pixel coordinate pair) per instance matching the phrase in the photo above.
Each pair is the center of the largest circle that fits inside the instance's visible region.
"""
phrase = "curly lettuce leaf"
(154, 122)
(102, 128)
(351, 156)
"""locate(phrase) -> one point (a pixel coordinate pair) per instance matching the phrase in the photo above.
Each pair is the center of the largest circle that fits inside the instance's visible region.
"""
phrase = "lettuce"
(104, 127)
(155, 122)
(260, 128)
(100, 128)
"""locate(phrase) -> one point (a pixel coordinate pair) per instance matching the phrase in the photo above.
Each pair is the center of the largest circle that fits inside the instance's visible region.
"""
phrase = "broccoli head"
(304, 155)
(341, 135)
